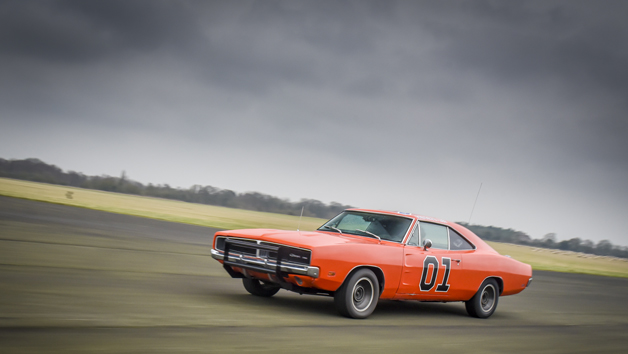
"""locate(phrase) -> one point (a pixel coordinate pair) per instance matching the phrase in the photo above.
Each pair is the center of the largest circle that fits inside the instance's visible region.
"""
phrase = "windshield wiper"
(333, 228)
(370, 233)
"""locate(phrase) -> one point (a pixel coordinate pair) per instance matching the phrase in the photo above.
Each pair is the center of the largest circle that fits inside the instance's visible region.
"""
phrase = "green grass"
(564, 261)
(228, 218)
(155, 208)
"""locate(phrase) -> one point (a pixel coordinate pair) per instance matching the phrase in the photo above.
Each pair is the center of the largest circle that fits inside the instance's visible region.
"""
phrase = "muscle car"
(361, 256)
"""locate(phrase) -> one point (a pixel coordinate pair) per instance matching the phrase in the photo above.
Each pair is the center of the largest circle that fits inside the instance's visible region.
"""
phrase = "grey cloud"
(528, 95)
(76, 31)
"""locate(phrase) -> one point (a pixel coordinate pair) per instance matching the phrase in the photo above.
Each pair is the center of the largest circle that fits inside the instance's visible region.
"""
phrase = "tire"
(484, 302)
(358, 295)
(260, 288)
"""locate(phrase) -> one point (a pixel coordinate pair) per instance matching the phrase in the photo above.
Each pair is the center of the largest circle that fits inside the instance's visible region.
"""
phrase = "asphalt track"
(77, 281)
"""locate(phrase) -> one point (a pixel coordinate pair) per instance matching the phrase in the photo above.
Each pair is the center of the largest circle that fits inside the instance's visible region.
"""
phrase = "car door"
(434, 273)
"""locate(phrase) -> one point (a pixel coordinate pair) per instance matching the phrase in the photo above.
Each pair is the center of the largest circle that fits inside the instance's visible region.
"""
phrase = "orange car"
(361, 256)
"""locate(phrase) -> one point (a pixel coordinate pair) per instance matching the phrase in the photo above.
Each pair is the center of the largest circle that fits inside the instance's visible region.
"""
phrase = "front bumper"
(279, 266)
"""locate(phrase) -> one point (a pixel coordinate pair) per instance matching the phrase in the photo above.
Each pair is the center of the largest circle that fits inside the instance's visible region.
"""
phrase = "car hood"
(305, 239)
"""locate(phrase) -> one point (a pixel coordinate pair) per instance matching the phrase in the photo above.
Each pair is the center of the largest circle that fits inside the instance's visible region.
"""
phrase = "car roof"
(468, 234)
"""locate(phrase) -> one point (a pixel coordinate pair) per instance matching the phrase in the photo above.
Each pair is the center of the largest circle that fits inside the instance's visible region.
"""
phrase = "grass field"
(155, 208)
(564, 261)
(227, 218)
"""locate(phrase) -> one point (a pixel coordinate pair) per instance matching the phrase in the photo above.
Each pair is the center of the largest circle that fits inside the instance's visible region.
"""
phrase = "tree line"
(38, 171)
(601, 248)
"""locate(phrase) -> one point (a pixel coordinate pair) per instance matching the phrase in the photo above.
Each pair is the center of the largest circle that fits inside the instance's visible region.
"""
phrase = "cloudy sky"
(382, 104)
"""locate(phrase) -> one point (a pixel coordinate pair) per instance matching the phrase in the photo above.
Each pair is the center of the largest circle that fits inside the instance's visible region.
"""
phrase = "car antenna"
(299, 225)
(476, 200)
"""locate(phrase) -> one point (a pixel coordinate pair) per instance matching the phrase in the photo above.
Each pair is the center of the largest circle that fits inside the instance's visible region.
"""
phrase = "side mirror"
(427, 244)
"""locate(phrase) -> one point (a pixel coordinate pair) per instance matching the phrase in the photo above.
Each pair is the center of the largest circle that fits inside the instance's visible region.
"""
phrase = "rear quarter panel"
(514, 274)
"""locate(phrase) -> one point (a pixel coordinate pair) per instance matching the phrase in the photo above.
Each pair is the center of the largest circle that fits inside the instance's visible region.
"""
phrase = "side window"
(458, 242)
(414, 238)
(437, 233)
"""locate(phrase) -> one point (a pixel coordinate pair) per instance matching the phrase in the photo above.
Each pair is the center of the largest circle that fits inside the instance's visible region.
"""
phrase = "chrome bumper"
(264, 265)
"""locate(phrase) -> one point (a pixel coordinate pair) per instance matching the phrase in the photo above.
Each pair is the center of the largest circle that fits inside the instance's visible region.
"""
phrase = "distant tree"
(604, 247)
(587, 246)
(549, 240)
(521, 238)
(619, 251)
(498, 234)
(570, 245)
(75, 179)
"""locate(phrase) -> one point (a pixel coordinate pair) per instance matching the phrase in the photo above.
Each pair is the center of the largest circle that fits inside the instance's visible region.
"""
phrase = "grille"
(244, 250)
(264, 251)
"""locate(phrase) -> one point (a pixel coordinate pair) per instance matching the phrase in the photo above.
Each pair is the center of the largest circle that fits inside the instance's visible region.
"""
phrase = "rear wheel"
(484, 302)
(260, 288)
(357, 297)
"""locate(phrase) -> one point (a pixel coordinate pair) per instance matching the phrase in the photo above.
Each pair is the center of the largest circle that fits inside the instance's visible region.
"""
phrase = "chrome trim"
(461, 235)
(449, 228)
(263, 242)
(266, 264)
(409, 237)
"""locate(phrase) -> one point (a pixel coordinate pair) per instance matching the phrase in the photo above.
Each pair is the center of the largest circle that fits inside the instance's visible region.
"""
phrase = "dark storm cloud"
(504, 39)
(518, 39)
(530, 94)
(77, 31)
(368, 49)
(577, 46)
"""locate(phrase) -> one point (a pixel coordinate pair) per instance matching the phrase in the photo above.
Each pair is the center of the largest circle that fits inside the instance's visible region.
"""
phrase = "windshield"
(385, 227)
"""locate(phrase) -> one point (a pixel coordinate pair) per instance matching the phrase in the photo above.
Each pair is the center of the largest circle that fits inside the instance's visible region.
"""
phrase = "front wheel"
(484, 302)
(358, 295)
(260, 288)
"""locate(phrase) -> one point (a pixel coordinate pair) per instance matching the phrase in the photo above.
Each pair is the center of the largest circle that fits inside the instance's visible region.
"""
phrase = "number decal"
(432, 261)
(429, 261)
(444, 287)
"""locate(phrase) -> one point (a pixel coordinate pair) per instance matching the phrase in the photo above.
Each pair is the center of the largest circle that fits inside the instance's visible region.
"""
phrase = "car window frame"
(449, 230)
(473, 247)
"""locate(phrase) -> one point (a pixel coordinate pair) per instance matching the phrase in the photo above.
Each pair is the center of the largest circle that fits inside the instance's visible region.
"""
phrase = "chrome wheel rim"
(487, 301)
(362, 294)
